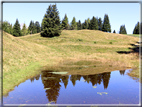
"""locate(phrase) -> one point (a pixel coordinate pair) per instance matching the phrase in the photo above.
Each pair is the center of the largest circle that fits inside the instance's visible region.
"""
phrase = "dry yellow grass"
(24, 55)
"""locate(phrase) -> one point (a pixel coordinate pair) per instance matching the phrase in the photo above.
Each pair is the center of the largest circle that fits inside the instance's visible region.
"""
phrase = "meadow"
(25, 56)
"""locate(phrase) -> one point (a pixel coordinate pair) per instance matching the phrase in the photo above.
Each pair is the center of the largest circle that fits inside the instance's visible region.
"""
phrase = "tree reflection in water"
(122, 72)
(53, 81)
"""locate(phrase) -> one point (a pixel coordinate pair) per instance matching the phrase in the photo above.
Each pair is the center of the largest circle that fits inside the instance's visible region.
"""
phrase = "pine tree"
(122, 29)
(106, 24)
(6, 26)
(79, 25)
(136, 29)
(16, 29)
(114, 31)
(51, 22)
(93, 24)
(37, 25)
(88, 22)
(73, 24)
(24, 30)
(30, 28)
(34, 28)
(85, 25)
(11, 29)
(65, 22)
(100, 24)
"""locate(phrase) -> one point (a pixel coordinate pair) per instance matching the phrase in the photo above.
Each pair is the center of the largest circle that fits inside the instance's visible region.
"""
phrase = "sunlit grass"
(23, 56)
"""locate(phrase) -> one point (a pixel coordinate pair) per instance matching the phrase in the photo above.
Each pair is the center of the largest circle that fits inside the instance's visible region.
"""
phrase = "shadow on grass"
(135, 49)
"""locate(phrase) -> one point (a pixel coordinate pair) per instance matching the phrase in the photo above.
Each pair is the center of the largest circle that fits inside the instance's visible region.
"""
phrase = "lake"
(114, 87)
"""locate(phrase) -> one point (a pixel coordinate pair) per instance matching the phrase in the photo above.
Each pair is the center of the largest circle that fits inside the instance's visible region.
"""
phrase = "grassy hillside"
(23, 56)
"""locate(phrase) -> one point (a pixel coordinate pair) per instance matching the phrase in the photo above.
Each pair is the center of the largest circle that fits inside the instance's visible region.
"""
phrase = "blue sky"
(119, 13)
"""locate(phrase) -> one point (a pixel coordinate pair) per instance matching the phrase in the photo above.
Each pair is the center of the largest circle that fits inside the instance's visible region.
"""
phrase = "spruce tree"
(16, 29)
(100, 24)
(65, 22)
(93, 24)
(73, 24)
(79, 25)
(6, 26)
(31, 26)
(11, 29)
(34, 28)
(88, 22)
(24, 30)
(85, 25)
(51, 22)
(106, 24)
(114, 31)
(38, 28)
(136, 29)
(122, 29)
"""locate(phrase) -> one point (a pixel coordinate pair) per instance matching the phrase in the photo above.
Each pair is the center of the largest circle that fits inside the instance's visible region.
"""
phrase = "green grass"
(134, 35)
(24, 56)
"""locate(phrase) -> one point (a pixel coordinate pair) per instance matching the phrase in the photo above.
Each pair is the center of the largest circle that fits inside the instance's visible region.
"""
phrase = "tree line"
(52, 26)
(17, 31)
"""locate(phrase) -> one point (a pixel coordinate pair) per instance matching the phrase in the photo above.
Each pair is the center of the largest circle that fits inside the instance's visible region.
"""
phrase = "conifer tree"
(16, 29)
(51, 22)
(73, 24)
(99, 24)
(31, 27)
(11, 29)
(136, 29)
(114, 31)
(5, 26)
(106, 24)
(24, 30)
(85, 25)
(34, 28)
(93, 24)
(122, 29)
(38, 28)
(88, 22)
(79, 25)
(65, 22)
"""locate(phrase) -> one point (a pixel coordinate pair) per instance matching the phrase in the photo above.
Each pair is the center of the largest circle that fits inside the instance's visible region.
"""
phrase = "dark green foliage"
(37, 26)
(11, 29)
(95, 42)
(51, 22)
(73, 24)
(114, 31)
(136, 29)
(99, 24)
(0, 25)
(16, 29)
(65, 24)
(33, 27)
(110, 42)
(79, 27)
(122, 29)
(93, 24)
(88, 22)
(7, 27)
(24, 30)
(106, 24)
(85, 25)
(79, 40)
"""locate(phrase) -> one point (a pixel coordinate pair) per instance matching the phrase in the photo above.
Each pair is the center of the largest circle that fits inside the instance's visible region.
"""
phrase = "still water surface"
(47, 88)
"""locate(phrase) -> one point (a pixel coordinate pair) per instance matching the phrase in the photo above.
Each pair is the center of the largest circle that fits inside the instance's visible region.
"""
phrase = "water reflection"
(52, 82)
(35, 78)
(50, 88)
(122, 72)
